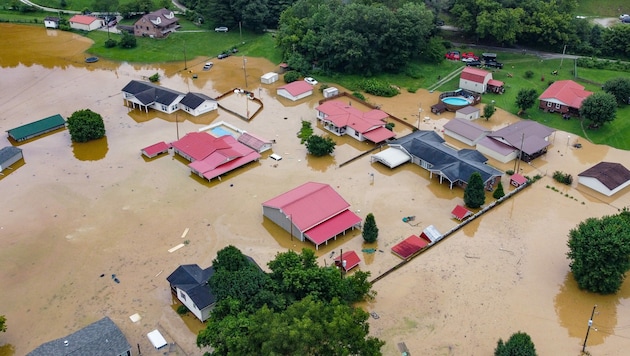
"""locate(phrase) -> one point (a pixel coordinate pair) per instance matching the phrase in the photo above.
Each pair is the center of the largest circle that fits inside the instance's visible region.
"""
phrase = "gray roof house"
(8, 156)
(148, 95)
(102, 338)
(605, 177)
(190, 284)
(528, 137)
(428, 150)
(465, 131)
(198, 103)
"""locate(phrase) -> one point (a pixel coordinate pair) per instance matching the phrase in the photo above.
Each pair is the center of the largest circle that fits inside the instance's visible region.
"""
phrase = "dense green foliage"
(320, 146)
(127, 40)
(599, 108)
(498, 193)
(561, 177)
(370, 230)
(599, 251)
(85, 125)
(519, 344)
(291, 76)
(619, 88)
(354, 37)
(297, 308)
(3, 323)
(253, 15)
(474, 195)
(488, 111)
(305, 132)
(526, 98)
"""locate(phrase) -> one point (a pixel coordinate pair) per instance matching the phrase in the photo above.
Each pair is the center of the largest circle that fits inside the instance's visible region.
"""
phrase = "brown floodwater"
(72, 212)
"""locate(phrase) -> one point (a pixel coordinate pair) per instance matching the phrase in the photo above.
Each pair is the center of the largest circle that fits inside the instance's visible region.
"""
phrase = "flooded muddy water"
(72, 213)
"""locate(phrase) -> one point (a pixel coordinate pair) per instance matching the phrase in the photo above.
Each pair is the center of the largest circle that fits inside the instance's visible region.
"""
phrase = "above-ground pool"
(454, 103)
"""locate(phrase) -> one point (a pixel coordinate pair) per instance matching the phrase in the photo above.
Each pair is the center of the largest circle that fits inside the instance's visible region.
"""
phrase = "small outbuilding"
(155, 149)
(37, 128)
(86, 22)
(350, 258)
(157, 340)
(295, 90)
(517, 180)
(607, 178)
(460, 213)
(254, 142)
(51, 22)
(269, 78)
(330, 92)
(410, 246)
(467, 113)
(8, 156)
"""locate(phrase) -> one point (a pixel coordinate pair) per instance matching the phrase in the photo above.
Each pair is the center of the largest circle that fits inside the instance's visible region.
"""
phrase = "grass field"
(603, 8)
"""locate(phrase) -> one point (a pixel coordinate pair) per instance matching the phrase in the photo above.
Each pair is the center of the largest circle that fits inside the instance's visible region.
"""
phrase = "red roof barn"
(475, 79)
(563, 96)
(312, 211)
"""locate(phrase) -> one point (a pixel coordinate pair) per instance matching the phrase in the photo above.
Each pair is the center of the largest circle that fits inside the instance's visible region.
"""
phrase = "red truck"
(452, 55)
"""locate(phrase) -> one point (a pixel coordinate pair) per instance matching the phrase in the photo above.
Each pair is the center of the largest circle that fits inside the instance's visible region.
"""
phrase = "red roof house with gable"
(86, 22)
(212, 156)
(563, 96)
(311, 211)
(343, 119)
(475, 79)
(350, 258)
(295, 90)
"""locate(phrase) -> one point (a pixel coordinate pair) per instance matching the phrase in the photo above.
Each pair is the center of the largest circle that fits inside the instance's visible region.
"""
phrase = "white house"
(296, 90)
(605, 177)
(269, 78)
(468, 113)
(197, 104)
(465, 131)
(190, 284)
(474, 79)
(86, 23)
(147, 95)
(51, 22)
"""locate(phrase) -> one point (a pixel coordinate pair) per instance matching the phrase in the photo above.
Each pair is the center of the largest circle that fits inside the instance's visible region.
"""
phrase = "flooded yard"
(74, 212)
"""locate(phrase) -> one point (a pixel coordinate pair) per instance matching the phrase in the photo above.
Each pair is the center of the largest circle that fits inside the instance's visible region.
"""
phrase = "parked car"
(452, 55)
(470, 59)
(207, 66)
(624, 16)
(494, 64)
(310, 80)
(221, 29)
(469, 55)
(473, 64)
(112, 23)
(223, 55)
(626, 20)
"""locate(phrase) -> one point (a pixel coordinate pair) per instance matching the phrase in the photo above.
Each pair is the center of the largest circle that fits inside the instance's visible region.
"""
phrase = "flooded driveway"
(73, 213)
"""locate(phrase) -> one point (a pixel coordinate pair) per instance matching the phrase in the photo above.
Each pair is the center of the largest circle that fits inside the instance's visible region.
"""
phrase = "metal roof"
(40, 126)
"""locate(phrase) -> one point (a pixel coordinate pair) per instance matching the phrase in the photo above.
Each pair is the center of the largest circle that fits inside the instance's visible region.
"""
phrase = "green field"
(603, 8)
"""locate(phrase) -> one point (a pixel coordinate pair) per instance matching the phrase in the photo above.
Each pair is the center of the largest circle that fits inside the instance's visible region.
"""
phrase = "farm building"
(296, 90)
(469, 113)
(86, 22)
(8, 156)
(269, 78)
(563, 96)
(341, 119)
(197, 104)
(99, 339)
(157, 24)
(529, 138)
(475, 80)
(606, 178)
(311, 211)
(465, 131)
(37, 128)
(148, 95)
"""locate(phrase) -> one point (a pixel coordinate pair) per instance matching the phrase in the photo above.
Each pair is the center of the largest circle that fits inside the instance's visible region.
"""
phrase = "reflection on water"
(574, 307)
(90, 151)
(140, 116)
(320, 164)
(7, 350)
(14, 167)
(191, 321)
(471, 228)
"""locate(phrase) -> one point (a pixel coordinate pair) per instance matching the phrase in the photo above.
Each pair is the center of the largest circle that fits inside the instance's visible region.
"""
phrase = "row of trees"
(297, 308)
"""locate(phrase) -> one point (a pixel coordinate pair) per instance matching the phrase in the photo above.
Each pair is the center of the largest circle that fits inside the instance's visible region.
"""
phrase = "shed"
(36, 128)
(157, 340)
(410, 246)
(460, 213)
(295, 90)
(468, 113)
(155, 149)
(350, 257)
(431, 233)
(8, 156)
(269, 78)
(517, 180)
(330, 92)
(51, 22)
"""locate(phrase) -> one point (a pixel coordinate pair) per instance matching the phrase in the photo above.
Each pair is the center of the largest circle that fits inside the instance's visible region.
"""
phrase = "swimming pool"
(456, 101)
(219, 131)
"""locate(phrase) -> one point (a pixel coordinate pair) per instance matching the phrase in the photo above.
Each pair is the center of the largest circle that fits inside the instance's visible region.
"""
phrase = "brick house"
(157, 24)
(563, 96)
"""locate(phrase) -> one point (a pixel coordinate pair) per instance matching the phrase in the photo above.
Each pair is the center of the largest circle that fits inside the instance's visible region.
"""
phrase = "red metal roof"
(309, 204)
(342, 114)
(228, 155)
(379, 134)
(155, 149)
(83, 19)
(495, 83)
(474, 74)
(297, 87)
(332, 227)
(409, 246)
(567, 92)
(199, 145)
(351, 258)
(519, 179)
(461, 213)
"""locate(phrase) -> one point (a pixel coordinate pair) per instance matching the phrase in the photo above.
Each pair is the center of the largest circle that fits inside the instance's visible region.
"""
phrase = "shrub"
(390, 126)
(110, 43)
(562, 177)
(154, 78)
(378, 88)
(509, 172)
(498, 193)
(182, 310)
(291, 76)
(356, 94)
(529, 74)
(85, 125)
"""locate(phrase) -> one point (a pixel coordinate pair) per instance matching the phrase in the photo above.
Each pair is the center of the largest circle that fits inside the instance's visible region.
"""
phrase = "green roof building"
(37, 128)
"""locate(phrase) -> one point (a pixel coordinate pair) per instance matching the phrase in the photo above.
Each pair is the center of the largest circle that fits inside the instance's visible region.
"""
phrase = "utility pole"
(590, 323)
(245, 70)
(185, 62)
(563, 51)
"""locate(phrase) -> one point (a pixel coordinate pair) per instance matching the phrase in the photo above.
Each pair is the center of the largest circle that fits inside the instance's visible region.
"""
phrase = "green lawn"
(603, 8)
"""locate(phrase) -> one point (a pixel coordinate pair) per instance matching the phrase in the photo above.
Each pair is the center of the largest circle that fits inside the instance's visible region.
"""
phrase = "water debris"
(185, 232)
(374, 315)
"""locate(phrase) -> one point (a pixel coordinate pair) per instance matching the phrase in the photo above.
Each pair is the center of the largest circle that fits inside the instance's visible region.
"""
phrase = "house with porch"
(606, 178)
(86, 22)
(563, 96)
(524, 139)
(311, 211)
(197, 104)
(99, 338)
(429, 151)
(156, 24)
(341, 118)
(145, 95)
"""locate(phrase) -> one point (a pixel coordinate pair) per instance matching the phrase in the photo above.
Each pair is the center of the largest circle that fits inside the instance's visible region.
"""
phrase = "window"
(557, 106)
(549, 104)
(182, 295)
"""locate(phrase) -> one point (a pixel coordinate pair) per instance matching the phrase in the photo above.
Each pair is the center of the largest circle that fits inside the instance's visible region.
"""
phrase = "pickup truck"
(493, 64)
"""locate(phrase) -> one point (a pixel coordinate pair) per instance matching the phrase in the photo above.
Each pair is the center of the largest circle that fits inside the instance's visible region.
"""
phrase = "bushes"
(529, 74)
(291, 76)
(85, 125)
(378, 88)
(110, 43)
(562, 177)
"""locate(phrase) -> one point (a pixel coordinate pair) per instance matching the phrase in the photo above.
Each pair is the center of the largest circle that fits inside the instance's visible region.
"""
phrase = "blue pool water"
(455, 101)
(219, 131)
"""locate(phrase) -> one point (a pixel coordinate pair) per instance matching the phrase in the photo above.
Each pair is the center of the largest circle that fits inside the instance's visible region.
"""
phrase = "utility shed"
(8, 156)
(330, 92)
(269, 78)
(36, 128)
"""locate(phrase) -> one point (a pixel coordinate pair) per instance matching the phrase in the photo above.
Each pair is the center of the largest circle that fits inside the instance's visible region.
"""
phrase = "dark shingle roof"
(102, 338)
(612, 175)
(194, 281)
(147, 93)
(193, 100)
(7, 153)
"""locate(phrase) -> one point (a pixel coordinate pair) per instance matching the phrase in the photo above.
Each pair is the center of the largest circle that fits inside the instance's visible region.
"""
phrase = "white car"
(221, 29)
(310, 80)
(208, 65)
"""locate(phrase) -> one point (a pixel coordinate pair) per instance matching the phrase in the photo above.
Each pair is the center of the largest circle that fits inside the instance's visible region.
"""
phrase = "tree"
(599, 251)
(127, 40)
(498, 193)
(305, 132)
(599, 108)
(525, 99)
(3, 323)
(619, 88)
(474, 195)
(320, 146)
(519, 344)
(370, 230)
(85, 125)
(488, 111)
